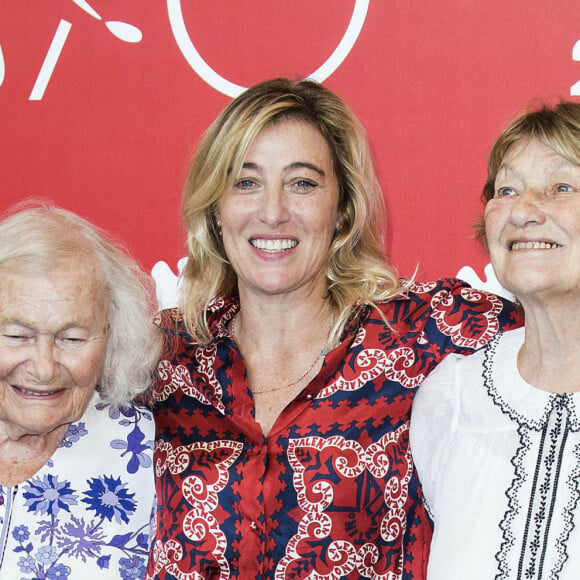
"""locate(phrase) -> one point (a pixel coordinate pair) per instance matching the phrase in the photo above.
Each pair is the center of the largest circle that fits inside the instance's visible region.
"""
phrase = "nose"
(528, 209)
(274, 209)
(42, 365)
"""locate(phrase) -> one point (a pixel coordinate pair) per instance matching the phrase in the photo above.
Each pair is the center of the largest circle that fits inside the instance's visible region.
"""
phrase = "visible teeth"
(35, 393)
(533, 246)
(274, 245)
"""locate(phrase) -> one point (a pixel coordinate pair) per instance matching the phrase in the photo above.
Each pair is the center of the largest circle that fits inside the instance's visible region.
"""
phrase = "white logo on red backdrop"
(122, 30)
(130, 33)
(215, 80)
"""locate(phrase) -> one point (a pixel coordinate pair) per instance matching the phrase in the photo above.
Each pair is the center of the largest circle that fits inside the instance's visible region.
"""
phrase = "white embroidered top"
(499, 461)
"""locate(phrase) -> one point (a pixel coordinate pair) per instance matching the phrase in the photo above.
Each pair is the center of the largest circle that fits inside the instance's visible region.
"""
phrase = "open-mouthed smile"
(277, 245)
(29, 393)
(518, 246)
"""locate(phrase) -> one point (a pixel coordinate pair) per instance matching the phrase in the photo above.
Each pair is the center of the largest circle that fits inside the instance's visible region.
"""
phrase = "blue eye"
(564, 188)
(244, 183)
(303, 185)
(505, 192)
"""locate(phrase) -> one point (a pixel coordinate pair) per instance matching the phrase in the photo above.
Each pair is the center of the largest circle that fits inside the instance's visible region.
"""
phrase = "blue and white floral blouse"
(87, 512)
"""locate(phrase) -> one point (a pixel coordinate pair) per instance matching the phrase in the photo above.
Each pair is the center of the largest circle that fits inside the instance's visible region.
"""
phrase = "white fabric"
(87, 512)
(499, 461)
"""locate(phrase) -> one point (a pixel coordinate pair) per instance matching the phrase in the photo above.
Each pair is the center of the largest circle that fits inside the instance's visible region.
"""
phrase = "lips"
(276, 245)
(40, 394)
(533, 245)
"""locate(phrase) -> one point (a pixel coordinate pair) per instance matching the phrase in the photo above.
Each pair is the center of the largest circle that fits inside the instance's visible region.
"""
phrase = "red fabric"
(332, 489)
(432, 82)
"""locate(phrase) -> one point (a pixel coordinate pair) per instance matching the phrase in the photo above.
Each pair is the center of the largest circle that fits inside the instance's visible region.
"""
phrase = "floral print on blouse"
(87, 512)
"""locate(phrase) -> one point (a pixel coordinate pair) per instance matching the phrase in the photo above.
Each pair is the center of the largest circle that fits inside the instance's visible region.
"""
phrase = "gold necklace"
(321, 354)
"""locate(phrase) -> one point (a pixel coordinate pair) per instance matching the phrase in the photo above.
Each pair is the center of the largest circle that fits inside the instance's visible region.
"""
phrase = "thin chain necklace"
(319, 355)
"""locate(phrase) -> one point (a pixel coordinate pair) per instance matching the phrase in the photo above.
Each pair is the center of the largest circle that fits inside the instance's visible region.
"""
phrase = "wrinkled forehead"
(546, 157)
(44, 259)
(71, 293)
(80, 266)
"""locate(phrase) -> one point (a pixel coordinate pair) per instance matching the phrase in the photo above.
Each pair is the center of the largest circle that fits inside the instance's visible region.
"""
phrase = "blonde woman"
(284, 393)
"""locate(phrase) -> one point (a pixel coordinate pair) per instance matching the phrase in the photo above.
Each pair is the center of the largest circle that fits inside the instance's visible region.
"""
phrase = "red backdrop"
(106, 126)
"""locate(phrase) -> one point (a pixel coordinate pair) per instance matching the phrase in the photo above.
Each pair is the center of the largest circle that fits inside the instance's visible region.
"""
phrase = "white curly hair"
(35, 236)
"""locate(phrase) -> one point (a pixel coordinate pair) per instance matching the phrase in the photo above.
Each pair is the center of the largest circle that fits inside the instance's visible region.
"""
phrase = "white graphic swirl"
(215, 80)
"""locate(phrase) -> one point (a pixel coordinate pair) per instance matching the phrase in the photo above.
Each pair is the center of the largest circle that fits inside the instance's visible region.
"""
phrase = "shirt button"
(254, 526)
(310, 396)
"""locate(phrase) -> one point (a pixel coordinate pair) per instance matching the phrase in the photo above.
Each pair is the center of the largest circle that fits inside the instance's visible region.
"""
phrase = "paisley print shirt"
(87, 512)
(331, 491)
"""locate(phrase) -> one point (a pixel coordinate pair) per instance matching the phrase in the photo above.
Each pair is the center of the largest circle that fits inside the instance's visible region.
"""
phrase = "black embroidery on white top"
(568, 513)
(538, 483)
(514, 506)
(543, 495)
(488, 381)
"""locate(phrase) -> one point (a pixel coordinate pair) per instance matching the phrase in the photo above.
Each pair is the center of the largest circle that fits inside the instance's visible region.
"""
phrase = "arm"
(433, 422)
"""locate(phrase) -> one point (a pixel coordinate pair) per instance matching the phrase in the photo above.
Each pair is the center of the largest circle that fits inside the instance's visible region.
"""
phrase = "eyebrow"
(296, 165)
(29, 325)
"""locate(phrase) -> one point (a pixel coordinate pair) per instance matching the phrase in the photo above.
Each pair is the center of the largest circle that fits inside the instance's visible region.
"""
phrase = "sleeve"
(462, 319)
(435, 319)
(433, 421)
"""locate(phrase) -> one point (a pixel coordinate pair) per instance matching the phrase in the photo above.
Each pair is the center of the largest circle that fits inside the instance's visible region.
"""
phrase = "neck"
(22, 455)
(549, 357)
(281, 342)
(283, 324)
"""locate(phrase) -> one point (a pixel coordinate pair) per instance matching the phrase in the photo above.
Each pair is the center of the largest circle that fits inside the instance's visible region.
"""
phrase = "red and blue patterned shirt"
(331, 491)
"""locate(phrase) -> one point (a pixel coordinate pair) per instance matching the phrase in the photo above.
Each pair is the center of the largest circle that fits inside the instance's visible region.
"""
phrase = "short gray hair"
(35, 236)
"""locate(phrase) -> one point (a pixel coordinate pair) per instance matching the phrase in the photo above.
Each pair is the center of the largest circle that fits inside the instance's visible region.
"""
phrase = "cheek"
(573, 227)
(10, 360)
(86, 371)
(324, 217)
(494, 221)
(232, 212)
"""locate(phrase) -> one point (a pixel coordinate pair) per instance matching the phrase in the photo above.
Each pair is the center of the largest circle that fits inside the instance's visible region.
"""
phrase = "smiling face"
(53, 338)
(533, 223)
(281, 213)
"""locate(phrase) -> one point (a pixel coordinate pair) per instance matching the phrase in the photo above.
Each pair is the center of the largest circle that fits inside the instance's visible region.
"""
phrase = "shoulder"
(441, 293)
(100, 414)
(450, 310)
(433, 421)
(176, 338)
(219, 312)
(446, 291)
(436, 393)
(456, 385)
(108, 439)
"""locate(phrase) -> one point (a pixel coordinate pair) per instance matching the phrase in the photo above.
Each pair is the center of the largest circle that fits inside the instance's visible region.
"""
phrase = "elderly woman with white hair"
(77, 346)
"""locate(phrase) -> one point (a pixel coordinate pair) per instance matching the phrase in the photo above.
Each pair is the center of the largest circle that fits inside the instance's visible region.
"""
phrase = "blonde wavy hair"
(36, 236)
(357, 270)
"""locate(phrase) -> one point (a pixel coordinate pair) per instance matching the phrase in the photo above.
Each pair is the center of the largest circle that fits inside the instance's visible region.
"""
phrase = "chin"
(44, 426)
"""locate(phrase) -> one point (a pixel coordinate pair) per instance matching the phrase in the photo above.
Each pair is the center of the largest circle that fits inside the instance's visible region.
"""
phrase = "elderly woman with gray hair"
(77, 346)
(496, 435)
